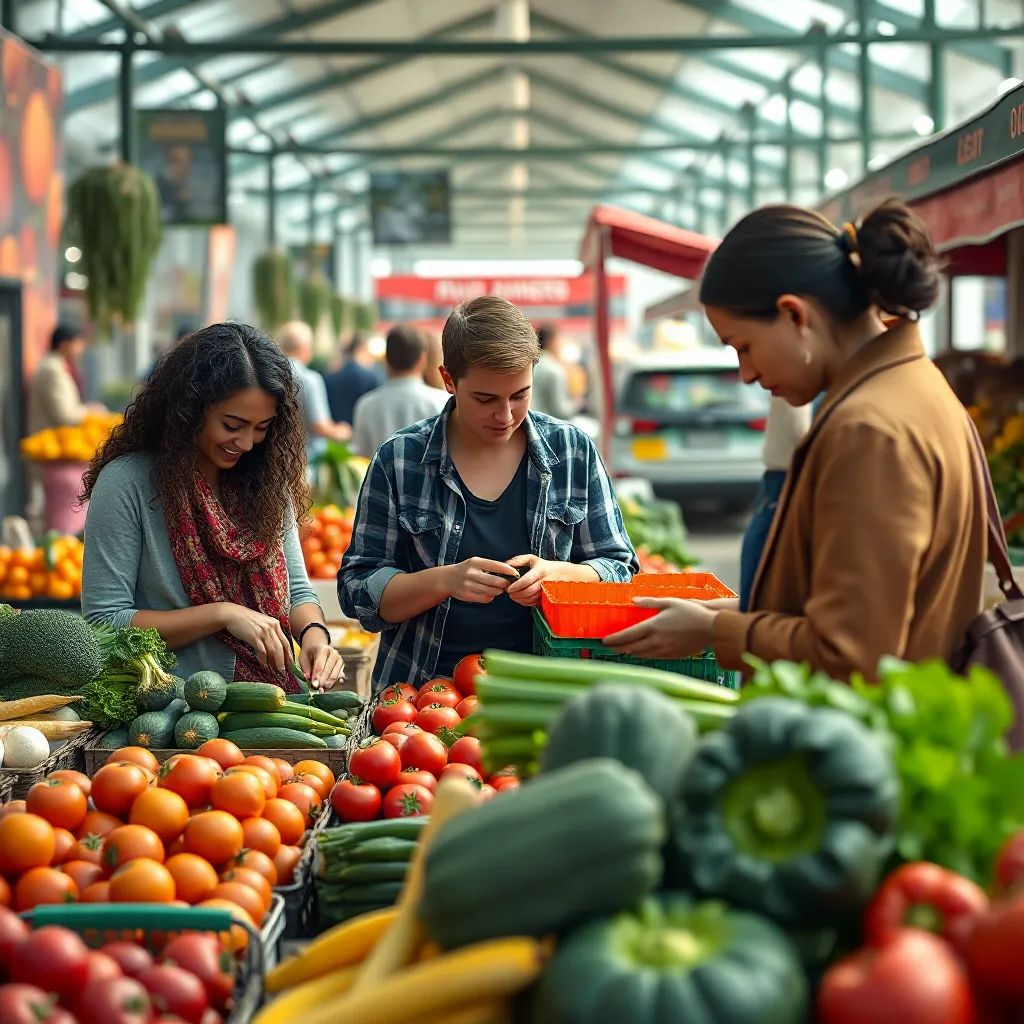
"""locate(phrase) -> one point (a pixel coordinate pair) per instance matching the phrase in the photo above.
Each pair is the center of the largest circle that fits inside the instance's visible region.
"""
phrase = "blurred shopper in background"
(435, 360)
(550, 380)
(403, 399)
(295, 340)
(56, 398)
(360, 374)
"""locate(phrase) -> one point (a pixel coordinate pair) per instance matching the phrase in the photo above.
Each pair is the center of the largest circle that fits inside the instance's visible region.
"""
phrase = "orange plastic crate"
(596, 610)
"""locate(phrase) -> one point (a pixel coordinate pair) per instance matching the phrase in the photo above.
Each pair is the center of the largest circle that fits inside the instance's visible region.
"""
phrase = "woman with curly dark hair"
(191, 528)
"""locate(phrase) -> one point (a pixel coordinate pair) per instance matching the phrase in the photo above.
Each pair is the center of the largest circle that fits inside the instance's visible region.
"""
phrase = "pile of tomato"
(212, 828)
(394, 773)
(52, 977)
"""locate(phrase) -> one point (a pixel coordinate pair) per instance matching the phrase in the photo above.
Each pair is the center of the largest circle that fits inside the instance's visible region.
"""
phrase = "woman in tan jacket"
(879, 543)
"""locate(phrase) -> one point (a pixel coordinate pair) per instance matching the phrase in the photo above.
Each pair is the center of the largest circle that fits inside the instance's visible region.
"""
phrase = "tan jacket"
(879, 542)
(55, 400)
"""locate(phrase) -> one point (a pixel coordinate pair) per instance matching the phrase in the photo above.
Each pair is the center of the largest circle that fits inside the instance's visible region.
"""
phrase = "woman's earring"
(807, 356)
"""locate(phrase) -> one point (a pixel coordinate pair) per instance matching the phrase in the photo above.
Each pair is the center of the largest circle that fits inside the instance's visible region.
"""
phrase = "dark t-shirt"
(346, 386)
(497, 530)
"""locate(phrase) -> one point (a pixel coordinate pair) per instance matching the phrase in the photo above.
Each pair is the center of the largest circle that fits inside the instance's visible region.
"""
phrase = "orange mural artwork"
(29, 254)
(38, 147)
(17, 71)
(6, 186)
(10, 261)
(55, 210)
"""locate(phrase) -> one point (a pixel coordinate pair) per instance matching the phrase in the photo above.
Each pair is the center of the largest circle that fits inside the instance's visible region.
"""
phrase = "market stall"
(614, 232)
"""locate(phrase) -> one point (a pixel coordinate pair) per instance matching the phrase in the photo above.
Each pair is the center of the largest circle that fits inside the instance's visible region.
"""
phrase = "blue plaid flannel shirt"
(411, 514)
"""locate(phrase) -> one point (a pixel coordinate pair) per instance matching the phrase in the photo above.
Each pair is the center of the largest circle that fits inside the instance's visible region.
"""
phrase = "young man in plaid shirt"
(463, 516)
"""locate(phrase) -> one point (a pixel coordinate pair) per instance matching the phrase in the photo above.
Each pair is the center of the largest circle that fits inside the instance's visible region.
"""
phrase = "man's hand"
(526, 591)
(475, 582)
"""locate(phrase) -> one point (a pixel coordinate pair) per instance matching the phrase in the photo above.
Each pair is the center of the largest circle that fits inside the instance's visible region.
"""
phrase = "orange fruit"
(243, 896)
(65, 846)
(286, 861)
(60, 802)
(287, 818)
(258, 862)
(26, 842)
(238, 938)
(98, 892)
(253, 879)
(239, 793)
(194, 878)
(215, 835)
(138, 755)
(163, 811)
(83, 872)
(267, 764)
(142, 881)
(43, 885)
(129, 842)
(261, 834)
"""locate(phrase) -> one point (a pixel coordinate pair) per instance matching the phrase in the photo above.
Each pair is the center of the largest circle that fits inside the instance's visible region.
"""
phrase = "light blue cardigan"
(129, 565)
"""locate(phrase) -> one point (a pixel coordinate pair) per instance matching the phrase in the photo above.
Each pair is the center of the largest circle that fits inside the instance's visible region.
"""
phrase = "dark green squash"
(194, 729)
(789, 810)
(205, 691)
(673, 960)
(639, 727)
(577, 843)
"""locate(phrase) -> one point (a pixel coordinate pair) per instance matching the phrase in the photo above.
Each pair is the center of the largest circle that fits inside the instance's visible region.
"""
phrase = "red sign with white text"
(429, 300)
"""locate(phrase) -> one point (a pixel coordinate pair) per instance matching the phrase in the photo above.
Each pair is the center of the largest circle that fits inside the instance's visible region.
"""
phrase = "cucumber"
(356, 874)
(339, 700)
(307, 711)
(380, 893)
(383, 849)
(339, 741)
(265, 720)
(358, 831)
(194, 729)
(271, 739)
(253, 697)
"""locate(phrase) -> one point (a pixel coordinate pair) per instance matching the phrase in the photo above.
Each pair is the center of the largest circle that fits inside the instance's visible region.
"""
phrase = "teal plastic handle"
(117, 916)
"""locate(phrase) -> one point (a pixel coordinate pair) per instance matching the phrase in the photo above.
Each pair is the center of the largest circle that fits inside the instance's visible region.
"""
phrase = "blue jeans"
(757, 532)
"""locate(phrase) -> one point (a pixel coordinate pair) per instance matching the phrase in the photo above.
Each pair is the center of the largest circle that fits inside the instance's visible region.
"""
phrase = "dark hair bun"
(899, 267)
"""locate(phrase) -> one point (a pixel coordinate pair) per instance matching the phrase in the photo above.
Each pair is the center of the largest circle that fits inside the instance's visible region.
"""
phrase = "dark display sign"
(410, 207)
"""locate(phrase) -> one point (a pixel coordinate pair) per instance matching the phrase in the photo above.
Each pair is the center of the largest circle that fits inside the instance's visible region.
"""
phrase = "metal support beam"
(312, 212)
(159, 9)
(787, 174)
(726, 186)
(271, 203)
(864, 83)
(208, 49)
(937, 76)
(823, 62)
(750, 115)
(126, 105)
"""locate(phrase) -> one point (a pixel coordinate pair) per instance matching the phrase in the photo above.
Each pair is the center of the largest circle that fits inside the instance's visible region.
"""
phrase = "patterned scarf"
(218, 561)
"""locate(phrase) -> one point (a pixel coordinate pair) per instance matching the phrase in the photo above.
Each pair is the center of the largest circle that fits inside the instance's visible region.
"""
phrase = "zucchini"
(356, 874)
(274, 739)
(493, 690)
(307, 711)
(264, 720)
(205, 691)
(357, 831)
(338, 700)
(386, 848)
(339, 741)
(382, 894)
(523, 716)
(194, 729)
(253, 697)
(587, 672)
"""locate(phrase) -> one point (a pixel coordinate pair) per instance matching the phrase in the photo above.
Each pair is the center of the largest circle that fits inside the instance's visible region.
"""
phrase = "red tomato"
(487, 793)
(401, 729)
(466, 672)
(400, 691)
(102, 967)
(435, 717)
(28, 1004)
(189, 776)
(54, 959)
(417, 777)
(389, 712)
(132, 959)
(396, 739)
(114, 1001)
(375, 761)
(1009, 866)
(438, 693)
(424, 751)
(12, 931)
(177, 991)
(468, 706)
(467, 750)
(407, 802)
(992, 949)
(500, 782)
(355, 801)
(463, 771)
(202, 954)
(914, 979)
(440, 681)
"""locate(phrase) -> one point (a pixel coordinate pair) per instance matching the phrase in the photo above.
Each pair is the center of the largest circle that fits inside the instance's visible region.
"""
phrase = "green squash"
(673, 960)
(113, 740)
(155, 729)
(194, 729)
(580, 842)
(155, 693)
(205, 691)
(789, 810)
(639, 727)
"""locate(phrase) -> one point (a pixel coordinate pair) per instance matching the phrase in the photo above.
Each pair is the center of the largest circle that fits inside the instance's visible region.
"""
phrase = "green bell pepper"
(788, 810)
(673, 960)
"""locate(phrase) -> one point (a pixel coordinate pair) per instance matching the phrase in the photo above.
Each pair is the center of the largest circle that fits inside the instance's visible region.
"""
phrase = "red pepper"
(925, 896)
(992, 949)
(915, 978)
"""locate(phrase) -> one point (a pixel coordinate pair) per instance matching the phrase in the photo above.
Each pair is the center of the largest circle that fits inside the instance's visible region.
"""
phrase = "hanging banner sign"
(983, 143)
(431, 299)
(183, 152)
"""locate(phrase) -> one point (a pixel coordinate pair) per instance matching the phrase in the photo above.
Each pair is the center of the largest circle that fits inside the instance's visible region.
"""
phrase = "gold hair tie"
(852, 245)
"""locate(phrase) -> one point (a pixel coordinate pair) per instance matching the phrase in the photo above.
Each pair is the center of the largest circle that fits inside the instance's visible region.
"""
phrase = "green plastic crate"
(547, 645)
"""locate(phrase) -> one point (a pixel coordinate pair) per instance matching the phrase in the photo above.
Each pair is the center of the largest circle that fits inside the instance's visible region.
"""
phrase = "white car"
(687, 422)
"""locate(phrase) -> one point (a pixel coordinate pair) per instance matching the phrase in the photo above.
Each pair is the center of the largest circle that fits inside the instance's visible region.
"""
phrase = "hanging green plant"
(364, 316)
(314, 300)
(273, 288)
(339, 308)
(114, 218)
